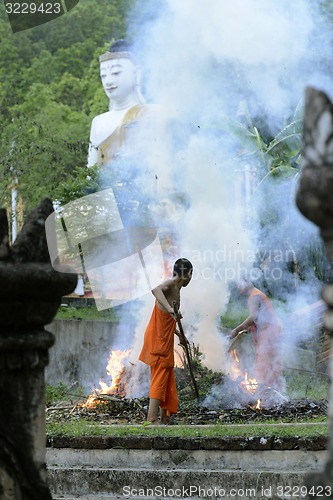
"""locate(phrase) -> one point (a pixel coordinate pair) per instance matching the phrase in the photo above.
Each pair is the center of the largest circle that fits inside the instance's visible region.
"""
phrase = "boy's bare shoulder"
(167, 284)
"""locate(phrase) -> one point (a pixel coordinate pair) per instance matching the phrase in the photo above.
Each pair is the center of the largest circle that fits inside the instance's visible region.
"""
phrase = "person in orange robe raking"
(158, 345)
(266, 334)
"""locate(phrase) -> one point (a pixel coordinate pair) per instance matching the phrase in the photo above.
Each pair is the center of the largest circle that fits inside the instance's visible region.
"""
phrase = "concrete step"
(95, 468)
(283, 460)
(173, 483)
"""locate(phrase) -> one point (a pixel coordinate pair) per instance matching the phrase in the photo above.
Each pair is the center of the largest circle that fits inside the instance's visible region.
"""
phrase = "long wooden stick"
(185, 347)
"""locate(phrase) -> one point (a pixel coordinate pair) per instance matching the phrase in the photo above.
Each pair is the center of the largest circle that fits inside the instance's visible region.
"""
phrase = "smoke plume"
(202, 61)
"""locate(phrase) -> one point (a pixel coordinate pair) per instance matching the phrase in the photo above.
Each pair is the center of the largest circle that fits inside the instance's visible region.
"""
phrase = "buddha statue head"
(121, 76)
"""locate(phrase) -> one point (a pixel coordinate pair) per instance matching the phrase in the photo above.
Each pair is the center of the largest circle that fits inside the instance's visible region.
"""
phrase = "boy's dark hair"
(182, 267)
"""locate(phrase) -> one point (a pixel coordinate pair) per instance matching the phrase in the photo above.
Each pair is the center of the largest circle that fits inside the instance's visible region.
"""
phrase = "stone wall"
(82, 349)
(80, 352)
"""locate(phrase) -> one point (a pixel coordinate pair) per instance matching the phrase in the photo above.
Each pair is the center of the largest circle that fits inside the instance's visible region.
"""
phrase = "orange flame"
(235, 369)
(258, 405)
(91, 401)
(248, 384)
(115, 369)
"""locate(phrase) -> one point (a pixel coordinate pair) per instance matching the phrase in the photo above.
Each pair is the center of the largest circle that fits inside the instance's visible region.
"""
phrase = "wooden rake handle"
(185, 347)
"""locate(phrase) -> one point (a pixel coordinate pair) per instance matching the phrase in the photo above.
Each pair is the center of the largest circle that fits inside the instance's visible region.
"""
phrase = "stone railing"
(315, 201)
(30, 296)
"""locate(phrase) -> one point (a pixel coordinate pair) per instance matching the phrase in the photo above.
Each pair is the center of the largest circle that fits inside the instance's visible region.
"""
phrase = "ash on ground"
(221, 401)
(134, 411)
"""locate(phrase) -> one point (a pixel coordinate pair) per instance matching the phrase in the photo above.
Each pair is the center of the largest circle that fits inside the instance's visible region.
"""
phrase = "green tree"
(49, 92)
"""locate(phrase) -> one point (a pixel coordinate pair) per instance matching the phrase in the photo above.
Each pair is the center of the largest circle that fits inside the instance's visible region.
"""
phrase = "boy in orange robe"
(157, 350)
(266, 333)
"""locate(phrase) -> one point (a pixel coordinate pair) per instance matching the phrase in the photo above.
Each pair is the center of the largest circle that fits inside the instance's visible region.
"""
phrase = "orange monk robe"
(266, 334)
(157, 352)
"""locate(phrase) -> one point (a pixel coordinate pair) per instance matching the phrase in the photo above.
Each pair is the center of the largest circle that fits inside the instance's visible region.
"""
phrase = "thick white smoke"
(202, 60)
(203, 57)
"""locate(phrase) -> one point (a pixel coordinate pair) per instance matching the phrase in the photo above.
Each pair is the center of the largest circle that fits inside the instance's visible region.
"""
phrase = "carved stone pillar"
(315, 201)
(30, 295)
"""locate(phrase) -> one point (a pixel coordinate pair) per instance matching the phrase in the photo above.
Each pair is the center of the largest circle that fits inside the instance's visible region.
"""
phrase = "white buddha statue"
(130, 142)
(118, 130)
(130, 145)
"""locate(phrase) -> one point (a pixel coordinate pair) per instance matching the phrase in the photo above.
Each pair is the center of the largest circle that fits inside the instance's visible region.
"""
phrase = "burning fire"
(235, 367)
(248, 384)
(115, 369)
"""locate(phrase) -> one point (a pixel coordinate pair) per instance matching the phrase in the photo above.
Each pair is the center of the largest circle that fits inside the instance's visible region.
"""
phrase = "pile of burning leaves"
(119, 410)
(222, 400)
(226, 399)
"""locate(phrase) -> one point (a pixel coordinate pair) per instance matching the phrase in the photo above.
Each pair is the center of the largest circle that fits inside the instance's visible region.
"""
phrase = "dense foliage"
(49, 91)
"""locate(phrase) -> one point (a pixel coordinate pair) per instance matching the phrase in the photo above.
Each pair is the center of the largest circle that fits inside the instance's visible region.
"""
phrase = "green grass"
(233, 317)
(306, 385)
(87, 428)
(62, 392)
(87, 313)
(229, 320)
